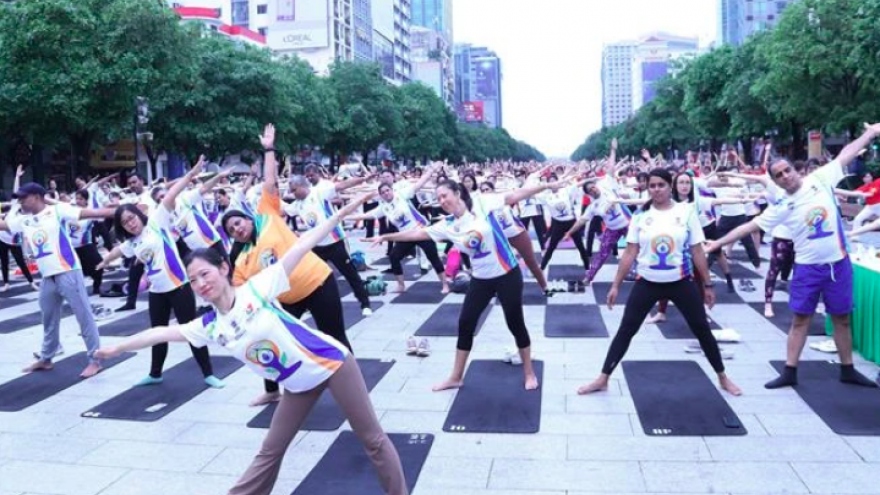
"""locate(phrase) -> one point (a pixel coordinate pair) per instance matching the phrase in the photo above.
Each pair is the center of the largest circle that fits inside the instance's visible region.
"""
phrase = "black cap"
(29, 189)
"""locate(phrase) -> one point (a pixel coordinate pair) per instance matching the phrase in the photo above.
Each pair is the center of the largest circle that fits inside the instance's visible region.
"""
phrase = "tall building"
(617, 75)
(391, 38)
(631, 70)
(739, 19)
(432, 46)
(402, 24)
(478, 85)
(363, 31)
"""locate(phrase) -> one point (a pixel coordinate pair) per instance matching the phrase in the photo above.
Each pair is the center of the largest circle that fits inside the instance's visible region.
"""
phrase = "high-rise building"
(632, 69)
(478, 85)
(617, 74)
(402, 23)
(739, 19)
(432, 46)
(363, 31)
(391, 39)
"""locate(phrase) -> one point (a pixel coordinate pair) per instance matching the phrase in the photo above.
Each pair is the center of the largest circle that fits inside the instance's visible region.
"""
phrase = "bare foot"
(38, 366)
(91, 370)
(531, 382)
(768, 311)
(266, 398)
(656, 318)
(728, 386)
(445, 289)
(597, 385)
(447, 385)
(399, 290)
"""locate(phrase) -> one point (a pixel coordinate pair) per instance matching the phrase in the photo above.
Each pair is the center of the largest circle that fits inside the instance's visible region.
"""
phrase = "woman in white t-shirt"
(666, 238)
(561, 204)
(495, 272)
(249, 322)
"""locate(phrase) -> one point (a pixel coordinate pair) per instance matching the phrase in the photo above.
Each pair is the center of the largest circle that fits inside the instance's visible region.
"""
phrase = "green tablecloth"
(866, 316)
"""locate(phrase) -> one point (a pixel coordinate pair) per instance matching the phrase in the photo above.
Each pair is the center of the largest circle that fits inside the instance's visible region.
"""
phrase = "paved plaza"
(585, 445)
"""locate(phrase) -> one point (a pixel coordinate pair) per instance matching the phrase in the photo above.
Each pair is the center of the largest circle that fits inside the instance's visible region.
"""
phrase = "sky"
(551, 56)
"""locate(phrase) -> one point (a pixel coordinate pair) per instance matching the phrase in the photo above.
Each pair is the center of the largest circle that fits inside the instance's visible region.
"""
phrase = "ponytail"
(462, 191)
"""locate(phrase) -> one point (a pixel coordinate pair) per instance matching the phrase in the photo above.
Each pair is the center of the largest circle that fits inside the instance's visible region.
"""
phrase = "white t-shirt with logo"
(494, 204)
(268, 340)
(315, 209)
(9, 238)
(614, 215)
(158, 252)
(774, 194)
(665, 239)
(559, 203)
(47, 237)
(81, 233)
(481, 238)
(192, 222)
(705, 210)
(731, 210)
(400, 211)
(812, 216)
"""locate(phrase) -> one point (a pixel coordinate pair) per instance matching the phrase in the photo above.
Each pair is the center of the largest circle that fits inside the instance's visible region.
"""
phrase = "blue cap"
(29, 189)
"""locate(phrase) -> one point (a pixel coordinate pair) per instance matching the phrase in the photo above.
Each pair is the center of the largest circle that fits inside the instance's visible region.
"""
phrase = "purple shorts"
(834, 282)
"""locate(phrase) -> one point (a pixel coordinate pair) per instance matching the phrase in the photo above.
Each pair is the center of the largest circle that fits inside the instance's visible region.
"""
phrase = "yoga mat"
(676, 398)
(532, 295)
(783, 317)
(722, 296)
(737, 271)
(574, 321)
(28, 320)
(675, 326)
(419, 293)
(846, 409)
(566, 272)
(326, 415)
(343, 287)
(181, 384)
(600, 291)
(352, 313)
(411, 273)
(10, 302)
(32, 388)
(16, 290)
(345, 468)
(125, 326)
(444, 321)
(494, 400)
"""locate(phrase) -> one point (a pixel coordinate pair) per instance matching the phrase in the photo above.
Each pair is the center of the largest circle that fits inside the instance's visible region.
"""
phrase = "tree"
(424, 134)
(703, 82)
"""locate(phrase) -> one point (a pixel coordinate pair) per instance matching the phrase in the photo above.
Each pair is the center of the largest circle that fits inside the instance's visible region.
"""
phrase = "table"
(866, 315)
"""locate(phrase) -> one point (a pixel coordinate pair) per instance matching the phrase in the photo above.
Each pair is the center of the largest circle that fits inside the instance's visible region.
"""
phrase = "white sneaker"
(4, 288)
(412, 348)
(825, 346)
(728, 335)
(512, 356)
(424, 348)
(367, 312)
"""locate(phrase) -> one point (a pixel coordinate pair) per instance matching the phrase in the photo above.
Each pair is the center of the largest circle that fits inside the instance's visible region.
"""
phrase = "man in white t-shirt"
(822, 267)
(46, 232)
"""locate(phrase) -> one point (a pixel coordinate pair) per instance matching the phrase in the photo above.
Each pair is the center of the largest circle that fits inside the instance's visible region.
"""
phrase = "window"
(262, 9)
(262, 31)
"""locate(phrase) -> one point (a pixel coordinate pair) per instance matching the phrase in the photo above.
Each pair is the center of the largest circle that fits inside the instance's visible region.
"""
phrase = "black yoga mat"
(18, 290)
(9, 302)
(420, 293)
(345, 469)
(32, 388)
(494, 400)
(411, 273)
(532, 295)
(125, 326)
(846, 409)
(444, 321)
(566, 272)
(181, 384)
(783, 317)
(722, 296)
(600, 291)
(574, 321)
(352, 313)
(326, 415)
(676, 398)
(675, 326)
(737, 272)
(28, 320)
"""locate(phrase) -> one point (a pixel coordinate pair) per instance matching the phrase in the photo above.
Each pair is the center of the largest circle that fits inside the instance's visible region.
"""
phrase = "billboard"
(472, 111)
(487, 79)
(298, 24)
(652, 72)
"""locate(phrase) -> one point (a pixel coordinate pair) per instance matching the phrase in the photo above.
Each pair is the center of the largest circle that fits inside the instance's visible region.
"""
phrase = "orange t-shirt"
(274, 238)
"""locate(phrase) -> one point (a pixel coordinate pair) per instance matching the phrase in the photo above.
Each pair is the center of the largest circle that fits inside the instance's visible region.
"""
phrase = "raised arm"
(171, 196)
(761, 179)
(19, 172)
(349, 183)
(852, 150)
(868, 227)
(734, 235)
(142, 340)
(270, 161)
(209, 184)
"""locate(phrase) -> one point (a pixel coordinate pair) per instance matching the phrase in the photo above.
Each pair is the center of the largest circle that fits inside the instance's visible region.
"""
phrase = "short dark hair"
(121, 233)
(84, 194)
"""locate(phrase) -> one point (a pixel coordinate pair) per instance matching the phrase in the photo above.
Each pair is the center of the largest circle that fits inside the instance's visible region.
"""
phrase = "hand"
(100, 266)
(645, 154)
(19, 171)
(711, 246)
(355, 204)
(709, 297)
(612, 296)
(374, 241)
(107, 352)
(200, 164)
(566, 236)
(268, 137)
(873, 128)
(614, 144)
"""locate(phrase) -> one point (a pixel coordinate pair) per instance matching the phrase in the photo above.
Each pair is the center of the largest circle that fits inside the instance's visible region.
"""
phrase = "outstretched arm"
(868, 227)
(171, 196)
(142, 340)
(209, 184)
(270, 161)
(852, 150)
(734, 235)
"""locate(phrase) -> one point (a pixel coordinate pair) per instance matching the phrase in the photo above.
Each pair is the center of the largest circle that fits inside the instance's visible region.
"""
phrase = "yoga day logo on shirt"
(662, 247)
(401, 220)
(816, 223)
(474, 242)
(311, 219)
(266, 354)
(267, 258)
(40, 240)
(147, 257)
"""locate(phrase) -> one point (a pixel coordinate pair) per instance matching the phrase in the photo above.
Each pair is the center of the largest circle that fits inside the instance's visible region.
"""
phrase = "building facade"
(478, 93)
(431, 44)
(402, 25)
(617, 83)
(739, 19)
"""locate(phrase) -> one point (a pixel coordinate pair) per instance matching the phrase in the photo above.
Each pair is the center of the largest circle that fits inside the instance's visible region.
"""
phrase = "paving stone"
(614, 448)
(781, 448)
(47, 477)
(611, 477)
(833, 477)
(745, 477)
(153, 482)
(152, 456)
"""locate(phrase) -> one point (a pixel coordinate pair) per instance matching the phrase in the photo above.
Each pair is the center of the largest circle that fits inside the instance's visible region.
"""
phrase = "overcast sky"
(551, 55)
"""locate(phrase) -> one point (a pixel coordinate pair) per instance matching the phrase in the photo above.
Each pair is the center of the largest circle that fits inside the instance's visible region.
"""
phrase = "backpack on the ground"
(375, 286)
(359, 260)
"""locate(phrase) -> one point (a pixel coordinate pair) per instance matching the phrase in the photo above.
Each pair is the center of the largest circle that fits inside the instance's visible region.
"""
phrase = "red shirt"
(874, 189)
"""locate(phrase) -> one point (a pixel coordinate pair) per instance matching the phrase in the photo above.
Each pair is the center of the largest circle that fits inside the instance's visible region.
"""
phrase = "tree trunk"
(798, 141)
(81, 145)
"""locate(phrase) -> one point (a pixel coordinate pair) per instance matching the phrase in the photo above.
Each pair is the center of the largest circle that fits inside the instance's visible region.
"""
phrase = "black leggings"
(89, 257)
(135, 272)
(370, 225)
(183, 302)
(5, 249)
(540, 228)
(725, 225)
(686, 296)
(557, 231)
(326, 310)
(403, 249)
(337, 254)
(509, 289)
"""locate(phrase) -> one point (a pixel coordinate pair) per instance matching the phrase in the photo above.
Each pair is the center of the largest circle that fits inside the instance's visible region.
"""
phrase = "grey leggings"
(350, 392)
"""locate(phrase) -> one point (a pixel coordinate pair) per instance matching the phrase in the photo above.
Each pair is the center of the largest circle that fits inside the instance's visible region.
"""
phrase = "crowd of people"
(239, 262)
